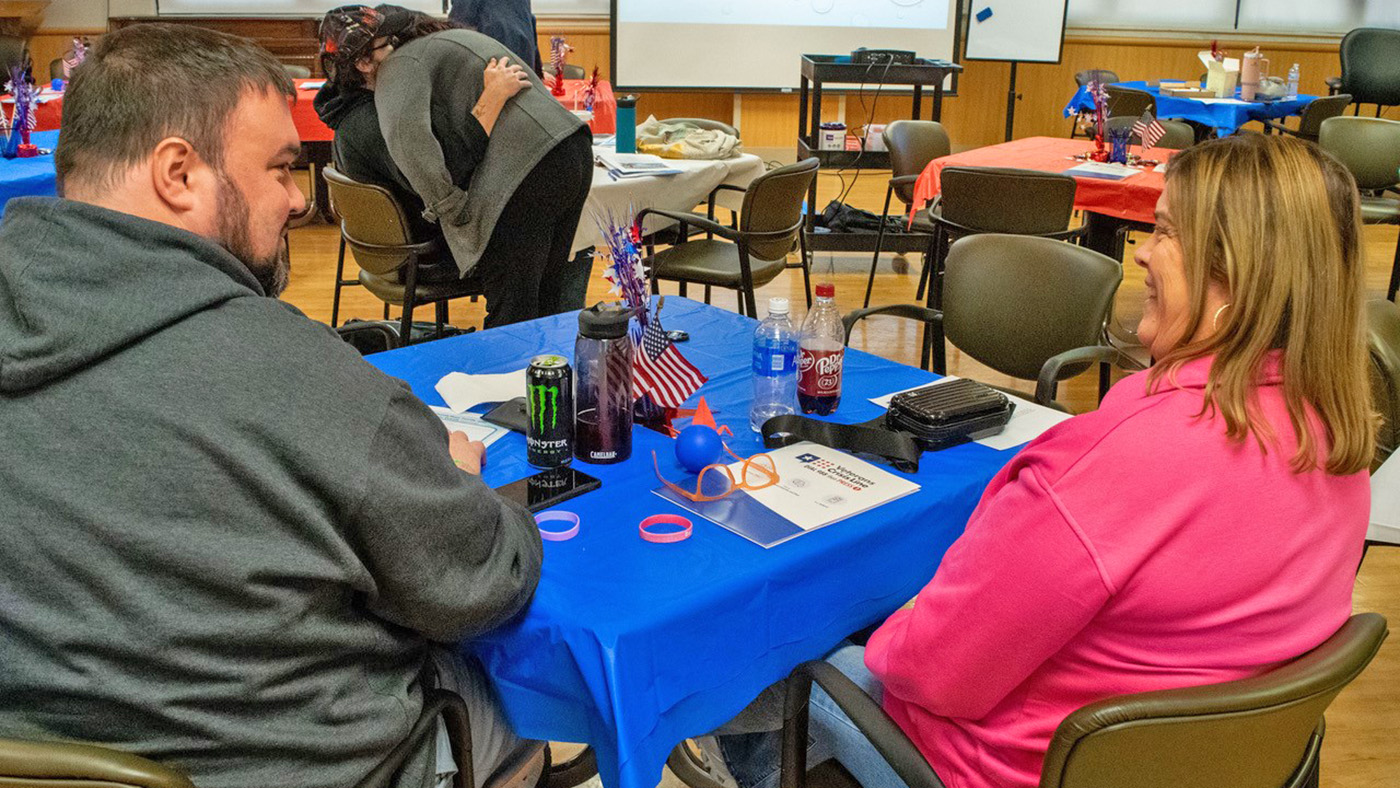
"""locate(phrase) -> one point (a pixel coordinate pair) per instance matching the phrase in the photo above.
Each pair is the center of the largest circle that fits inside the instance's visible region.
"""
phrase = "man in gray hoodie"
(226, 541)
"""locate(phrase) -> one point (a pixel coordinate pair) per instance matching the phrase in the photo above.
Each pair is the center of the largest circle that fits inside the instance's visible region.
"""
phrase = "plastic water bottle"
(821, 354)
(1293, 82)
(774, 366)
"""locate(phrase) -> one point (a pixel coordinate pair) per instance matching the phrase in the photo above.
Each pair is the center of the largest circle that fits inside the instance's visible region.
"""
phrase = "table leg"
(318, 155)
(1104, 234)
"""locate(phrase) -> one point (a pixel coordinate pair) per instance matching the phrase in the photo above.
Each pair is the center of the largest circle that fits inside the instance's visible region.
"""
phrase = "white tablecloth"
(668, 192)
(1385, 502)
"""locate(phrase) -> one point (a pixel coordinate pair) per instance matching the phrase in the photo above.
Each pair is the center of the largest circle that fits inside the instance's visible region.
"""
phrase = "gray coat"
(424, 95)
(226, 541)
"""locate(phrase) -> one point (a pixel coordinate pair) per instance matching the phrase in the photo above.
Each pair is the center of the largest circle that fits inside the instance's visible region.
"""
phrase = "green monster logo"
(538, 395)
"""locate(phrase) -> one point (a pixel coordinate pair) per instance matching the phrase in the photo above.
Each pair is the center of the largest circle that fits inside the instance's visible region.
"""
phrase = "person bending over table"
(1203, 525)
(223, 535)
(502, 167)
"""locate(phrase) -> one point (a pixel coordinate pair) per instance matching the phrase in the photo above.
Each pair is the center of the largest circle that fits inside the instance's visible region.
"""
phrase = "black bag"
(946, 414)
(842, 218)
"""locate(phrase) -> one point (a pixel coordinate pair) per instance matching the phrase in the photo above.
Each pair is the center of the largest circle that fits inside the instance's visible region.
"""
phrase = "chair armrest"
(1052, 370)
(354, 334)
(727, 187)
(910, 311)
(686, 218)
(1334, 85)
(902, 180)
(1277, 126)
(453, 710)
(869, 718)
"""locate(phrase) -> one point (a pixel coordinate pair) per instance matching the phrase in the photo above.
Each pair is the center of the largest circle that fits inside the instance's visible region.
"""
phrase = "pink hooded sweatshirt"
(1130, 549)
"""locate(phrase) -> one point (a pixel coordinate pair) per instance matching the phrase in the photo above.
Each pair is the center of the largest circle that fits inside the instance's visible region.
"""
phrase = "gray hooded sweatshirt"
(226, 541)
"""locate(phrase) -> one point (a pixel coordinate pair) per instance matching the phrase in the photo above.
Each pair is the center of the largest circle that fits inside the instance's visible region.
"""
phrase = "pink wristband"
(664, 537)
(557, 517)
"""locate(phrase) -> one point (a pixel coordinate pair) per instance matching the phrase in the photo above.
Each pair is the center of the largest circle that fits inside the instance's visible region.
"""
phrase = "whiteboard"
(1025, 31)
(571, 7)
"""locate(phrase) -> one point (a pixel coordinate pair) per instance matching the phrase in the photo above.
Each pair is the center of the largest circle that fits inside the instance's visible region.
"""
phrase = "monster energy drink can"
(549, 403)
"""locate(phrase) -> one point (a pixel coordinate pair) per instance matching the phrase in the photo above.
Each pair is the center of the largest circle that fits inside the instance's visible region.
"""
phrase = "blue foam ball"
(698, 446)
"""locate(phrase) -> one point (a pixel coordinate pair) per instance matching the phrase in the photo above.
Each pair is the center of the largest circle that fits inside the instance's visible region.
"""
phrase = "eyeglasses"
(717, 481)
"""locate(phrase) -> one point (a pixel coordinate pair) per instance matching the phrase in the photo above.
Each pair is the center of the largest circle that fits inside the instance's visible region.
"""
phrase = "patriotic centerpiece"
(1148, 129)
(24, 119)
(662, 378)
(558, 53)
(75, 57)
(1099, 118)
(588, 92)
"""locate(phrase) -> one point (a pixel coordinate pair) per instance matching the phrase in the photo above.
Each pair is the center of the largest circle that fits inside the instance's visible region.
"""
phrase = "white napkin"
(461, 391)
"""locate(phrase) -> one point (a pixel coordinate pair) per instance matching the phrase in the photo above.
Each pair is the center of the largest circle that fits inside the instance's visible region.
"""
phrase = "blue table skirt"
(32, 177)
(631, 646)
(1226, 119)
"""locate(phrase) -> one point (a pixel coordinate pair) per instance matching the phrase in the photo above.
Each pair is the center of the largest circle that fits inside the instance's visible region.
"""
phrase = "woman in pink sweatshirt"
(1203, 525)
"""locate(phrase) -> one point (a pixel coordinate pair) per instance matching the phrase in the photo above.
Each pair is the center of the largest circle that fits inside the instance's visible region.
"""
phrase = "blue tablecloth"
(1225, 117)
(32, 177)
(631, 646)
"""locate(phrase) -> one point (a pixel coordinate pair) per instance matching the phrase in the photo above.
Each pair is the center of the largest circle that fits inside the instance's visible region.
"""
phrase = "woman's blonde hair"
(1277, 222)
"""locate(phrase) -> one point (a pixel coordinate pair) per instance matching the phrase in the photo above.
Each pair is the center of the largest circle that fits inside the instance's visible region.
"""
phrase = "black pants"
(527, 270)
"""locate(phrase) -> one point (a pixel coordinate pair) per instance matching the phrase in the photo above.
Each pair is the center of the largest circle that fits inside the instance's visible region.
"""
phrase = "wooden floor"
(1362, 748)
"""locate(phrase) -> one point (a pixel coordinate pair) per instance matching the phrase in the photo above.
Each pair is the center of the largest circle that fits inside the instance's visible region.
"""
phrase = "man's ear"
(180, 176)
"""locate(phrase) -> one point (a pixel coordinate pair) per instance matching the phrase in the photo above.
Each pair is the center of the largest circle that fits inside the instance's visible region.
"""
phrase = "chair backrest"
(1371, 65)
(297, 71)
(1103, 75)
(24, 764)
(1004, 200)
(773, 208)
(56, 68)
(1253, 733)
(1178, 136)
(1011, 302)
(1384, 338)
(1369, 147)
(707, 123)
(372, 222)
(571, 71)
(1129, 102)
(12, 52)
(912, 145)
(1318, 110)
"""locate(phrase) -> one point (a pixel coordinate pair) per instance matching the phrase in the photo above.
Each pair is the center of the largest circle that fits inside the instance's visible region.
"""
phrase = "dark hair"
(147, 82)
(347, 34)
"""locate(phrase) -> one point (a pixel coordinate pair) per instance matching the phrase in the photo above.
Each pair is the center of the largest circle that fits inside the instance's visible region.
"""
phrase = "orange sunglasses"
(717, 480)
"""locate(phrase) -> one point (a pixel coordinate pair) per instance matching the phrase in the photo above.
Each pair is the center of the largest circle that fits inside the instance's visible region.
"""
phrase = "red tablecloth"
(311, 129)
(1134, 198)
(49, 113)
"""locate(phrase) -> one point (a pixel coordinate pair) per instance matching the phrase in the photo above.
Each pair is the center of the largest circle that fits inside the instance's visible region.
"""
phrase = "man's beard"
(235, 235)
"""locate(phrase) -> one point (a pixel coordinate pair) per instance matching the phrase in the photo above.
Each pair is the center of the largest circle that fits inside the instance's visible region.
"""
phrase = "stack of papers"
(1105, 171)
(634, 165)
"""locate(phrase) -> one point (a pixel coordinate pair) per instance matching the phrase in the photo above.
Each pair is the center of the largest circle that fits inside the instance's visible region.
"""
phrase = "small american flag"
(1148, 129)
(660, 370)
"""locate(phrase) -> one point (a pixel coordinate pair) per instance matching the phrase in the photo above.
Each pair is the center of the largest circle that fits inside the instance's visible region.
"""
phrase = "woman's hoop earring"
(1215, 321)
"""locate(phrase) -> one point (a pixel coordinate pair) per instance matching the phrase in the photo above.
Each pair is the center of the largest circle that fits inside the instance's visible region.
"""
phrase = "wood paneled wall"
(977, 115)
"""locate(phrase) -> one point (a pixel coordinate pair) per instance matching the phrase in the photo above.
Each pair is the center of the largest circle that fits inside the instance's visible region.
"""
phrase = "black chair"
(912, 145)
(995, 200)
(752, 255)
(1031, 308)
(1310, 121)
(1370, 68)
(396, 267)
(1261, 732)
(1082, 78)
(1129, 102)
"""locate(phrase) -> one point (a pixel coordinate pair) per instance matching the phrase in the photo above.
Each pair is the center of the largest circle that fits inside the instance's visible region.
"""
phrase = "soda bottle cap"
(777, 306)
(826, 290)
(604, 321)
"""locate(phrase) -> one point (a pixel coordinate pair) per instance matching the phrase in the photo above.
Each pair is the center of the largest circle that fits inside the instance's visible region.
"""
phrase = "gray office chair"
(1310, 121)
(750, 256)
(571, 71)
(1261, 732)
(912, 145)
(1370, 148)
(1370, 68)
(1031, 308)
(1129, 102)
(1383, 330)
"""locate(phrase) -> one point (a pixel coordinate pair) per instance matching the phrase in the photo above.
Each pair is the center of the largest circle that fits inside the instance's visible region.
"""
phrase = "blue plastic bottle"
(627, 124)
